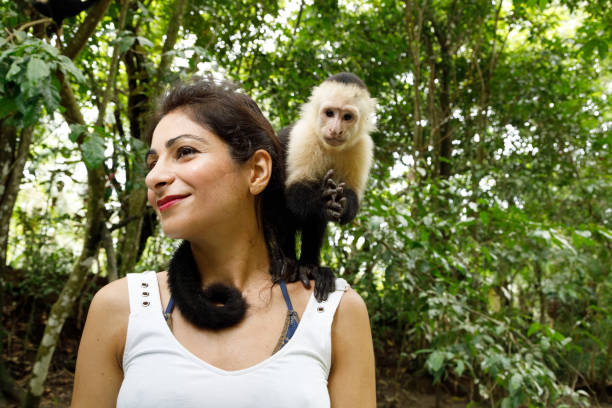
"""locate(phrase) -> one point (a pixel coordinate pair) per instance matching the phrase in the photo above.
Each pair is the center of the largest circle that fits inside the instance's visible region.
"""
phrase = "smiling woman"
(221, 327)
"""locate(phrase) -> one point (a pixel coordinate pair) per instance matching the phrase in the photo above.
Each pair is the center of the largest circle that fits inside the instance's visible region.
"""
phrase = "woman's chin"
(173, 233)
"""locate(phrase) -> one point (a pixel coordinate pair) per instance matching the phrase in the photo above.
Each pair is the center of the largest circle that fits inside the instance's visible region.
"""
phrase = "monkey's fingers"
(330, 185)
(333, 216)
(325, 282)
(329, 194)
(333, 210)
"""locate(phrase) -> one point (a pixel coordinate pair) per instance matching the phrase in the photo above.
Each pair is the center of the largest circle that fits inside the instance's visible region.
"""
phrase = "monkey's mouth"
(332, 141)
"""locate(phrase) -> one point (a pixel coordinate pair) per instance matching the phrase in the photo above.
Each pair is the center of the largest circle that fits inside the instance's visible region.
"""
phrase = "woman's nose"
(159, 177)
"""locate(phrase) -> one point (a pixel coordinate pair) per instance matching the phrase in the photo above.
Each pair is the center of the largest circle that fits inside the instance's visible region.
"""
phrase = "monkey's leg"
(309, 268)
(312, 241)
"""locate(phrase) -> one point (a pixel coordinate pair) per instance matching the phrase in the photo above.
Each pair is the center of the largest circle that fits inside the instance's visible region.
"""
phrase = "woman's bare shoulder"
(113, 297)
(352, 309)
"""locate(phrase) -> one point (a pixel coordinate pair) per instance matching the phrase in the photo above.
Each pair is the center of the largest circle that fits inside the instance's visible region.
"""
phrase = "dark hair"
(237, 120)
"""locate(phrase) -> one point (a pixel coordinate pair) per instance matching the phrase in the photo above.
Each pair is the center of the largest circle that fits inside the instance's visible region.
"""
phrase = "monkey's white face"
(337, 123)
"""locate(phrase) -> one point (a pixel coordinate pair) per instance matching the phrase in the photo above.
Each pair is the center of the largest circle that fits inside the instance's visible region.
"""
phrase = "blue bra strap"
(293, 317)
(169, 308)
(285, 294)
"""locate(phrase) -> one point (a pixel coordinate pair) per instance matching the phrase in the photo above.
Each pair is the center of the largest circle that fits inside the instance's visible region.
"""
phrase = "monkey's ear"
(260, 171)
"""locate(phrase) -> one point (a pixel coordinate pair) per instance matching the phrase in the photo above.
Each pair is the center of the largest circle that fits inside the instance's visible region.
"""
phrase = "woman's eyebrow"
(172, 141)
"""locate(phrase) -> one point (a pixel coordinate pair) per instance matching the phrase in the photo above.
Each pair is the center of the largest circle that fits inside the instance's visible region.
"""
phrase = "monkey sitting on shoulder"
(328, 154)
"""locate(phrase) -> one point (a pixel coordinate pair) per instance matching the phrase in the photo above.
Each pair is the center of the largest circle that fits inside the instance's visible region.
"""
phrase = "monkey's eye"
(347, 116)
(329, 113)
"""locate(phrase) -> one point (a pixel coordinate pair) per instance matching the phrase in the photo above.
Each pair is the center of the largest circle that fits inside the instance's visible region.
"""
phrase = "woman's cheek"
(151, 198)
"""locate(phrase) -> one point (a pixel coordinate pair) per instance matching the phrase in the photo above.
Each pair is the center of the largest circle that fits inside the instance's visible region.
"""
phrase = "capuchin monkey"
(328, 154)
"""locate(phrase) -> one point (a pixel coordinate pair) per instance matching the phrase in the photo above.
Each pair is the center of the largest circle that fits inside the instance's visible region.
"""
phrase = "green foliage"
(46, 264)
(28, 81)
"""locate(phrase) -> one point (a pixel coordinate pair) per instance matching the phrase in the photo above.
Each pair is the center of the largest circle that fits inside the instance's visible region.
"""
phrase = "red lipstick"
(169, 201)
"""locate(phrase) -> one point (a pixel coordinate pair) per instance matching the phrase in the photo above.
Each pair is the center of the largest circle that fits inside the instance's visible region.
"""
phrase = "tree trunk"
(606, 370)
(13, 156)
(94, 15)
(174, 25)
(414, 24)
(72, 289)
(134, 204)
(128, 246)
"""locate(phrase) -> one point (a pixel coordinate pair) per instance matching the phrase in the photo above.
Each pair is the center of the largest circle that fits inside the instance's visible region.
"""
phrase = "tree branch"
(114, 65)
(174, 26)
(95, 14)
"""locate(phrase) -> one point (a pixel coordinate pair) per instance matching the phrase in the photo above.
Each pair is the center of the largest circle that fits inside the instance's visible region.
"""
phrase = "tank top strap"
(328, 307)
(317, 323)
(144, 292)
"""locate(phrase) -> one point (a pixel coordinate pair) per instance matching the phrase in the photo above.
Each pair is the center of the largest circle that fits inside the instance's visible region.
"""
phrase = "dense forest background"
(483, 247)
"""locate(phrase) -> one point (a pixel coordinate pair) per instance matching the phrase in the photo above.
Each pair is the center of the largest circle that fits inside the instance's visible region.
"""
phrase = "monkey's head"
(344, 111)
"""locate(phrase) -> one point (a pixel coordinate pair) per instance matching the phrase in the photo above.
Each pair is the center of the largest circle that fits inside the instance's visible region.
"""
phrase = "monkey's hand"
(333, 198)
(325, 281)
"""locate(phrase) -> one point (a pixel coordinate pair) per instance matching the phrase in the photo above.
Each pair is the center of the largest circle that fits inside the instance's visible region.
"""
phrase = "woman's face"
(193, 184)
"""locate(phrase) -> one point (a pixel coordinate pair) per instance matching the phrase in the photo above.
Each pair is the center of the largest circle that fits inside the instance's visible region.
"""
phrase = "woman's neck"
(241, 260)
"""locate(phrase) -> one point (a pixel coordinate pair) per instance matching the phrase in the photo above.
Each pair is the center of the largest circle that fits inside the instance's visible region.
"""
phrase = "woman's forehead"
(176, 124)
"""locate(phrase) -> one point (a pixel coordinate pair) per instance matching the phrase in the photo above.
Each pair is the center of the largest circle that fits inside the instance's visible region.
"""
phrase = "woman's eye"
(151, 164)
(184, 151)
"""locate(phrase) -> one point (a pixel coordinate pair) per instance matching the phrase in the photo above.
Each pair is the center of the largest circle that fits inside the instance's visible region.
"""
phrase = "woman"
(235, 338)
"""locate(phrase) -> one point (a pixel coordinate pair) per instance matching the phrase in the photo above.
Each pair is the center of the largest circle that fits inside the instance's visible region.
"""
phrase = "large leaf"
(37, 70)
(93, 150)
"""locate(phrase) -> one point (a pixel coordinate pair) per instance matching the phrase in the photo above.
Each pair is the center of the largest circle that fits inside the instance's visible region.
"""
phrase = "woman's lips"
(169, 201)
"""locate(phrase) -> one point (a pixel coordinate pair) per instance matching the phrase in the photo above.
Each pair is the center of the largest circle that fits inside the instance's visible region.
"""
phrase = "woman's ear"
(260, 171)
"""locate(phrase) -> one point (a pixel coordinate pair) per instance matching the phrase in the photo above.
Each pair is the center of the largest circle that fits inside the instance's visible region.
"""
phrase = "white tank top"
(160, 372)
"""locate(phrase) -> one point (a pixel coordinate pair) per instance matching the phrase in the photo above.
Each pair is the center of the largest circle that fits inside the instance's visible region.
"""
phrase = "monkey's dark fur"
(217, 307)
(312, 206)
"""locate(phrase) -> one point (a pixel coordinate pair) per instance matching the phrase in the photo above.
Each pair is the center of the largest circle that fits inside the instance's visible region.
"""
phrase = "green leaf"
(460, 367)
(515, 383)
(435, 361)
(15, 69)
(37, 70)
(66, 65)
(76, 130)
(125, 43)
(93, 151)
(144, 41)
(535, 326)
(602, 48)
(7, 107)
(484, 217)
